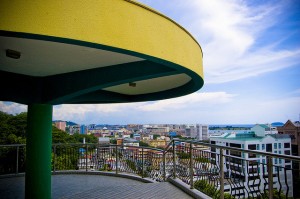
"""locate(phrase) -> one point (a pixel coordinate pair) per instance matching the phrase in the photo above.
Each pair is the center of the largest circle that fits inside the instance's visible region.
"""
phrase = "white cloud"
(12, 108)
(270, 111)
(234, 35)
(188, 101)
(210, 107)
(80, 112)
(233, 53)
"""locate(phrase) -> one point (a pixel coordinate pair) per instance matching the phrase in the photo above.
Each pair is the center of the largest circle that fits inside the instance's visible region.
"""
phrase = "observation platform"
(94, 186)
(88, 52)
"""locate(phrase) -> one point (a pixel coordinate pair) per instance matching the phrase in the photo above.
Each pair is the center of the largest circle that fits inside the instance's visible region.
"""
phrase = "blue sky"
(251, 66)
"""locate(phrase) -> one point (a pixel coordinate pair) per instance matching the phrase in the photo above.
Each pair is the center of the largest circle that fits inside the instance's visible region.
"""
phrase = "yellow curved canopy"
(65, 44)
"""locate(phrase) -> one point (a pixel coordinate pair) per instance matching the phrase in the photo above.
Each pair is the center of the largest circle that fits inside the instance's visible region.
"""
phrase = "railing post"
(86, 157)
(54, 161)
(221, 175)
(270, 176)
(164, 166)
(174, 160)
(191, 167)
(17, 162)
(117, 159)
(142, 162)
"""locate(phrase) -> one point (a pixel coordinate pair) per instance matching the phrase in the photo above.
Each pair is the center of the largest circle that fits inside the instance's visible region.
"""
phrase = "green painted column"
(38, 151)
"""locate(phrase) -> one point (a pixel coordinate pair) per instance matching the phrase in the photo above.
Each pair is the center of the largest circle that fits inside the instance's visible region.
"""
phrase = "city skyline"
(251, 68)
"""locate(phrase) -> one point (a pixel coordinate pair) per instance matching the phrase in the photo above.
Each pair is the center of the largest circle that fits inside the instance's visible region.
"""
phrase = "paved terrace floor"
(94, 186)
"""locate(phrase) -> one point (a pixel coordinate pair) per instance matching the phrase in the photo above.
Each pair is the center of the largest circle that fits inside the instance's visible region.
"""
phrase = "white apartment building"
(248, 172)
(264, 129)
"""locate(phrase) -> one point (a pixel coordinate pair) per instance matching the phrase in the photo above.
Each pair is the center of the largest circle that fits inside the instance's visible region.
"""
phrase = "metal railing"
(217, 171)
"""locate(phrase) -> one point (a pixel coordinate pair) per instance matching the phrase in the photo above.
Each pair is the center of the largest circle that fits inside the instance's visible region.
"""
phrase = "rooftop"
(248, 136)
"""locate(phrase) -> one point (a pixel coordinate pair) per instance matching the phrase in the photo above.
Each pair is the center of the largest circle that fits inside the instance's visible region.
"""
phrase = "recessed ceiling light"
(132, 84)
(13, 54)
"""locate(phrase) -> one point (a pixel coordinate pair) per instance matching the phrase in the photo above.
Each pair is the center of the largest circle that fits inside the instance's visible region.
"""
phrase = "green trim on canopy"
(85, 86)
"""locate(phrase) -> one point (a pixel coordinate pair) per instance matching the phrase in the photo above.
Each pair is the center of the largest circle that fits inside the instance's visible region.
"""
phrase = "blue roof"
(276, 124)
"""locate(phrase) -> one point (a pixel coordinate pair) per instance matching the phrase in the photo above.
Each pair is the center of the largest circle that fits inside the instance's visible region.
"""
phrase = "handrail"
(11, 145)
(189, 163)
(297, 158)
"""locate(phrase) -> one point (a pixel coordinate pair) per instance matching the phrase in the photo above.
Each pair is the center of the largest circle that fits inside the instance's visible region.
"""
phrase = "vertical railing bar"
(97, 157)
(54, 161)
(259, 178)
(143, 162)
(117, 159)
(191, 167)
(270, 176)
(17, 162)
(248, 173)
(251, 174)
(65, 157)
(221, 175)
(164, 166)
(86, 157)
(287, 186)
(279, 181)
(264, 178)
(174, 160)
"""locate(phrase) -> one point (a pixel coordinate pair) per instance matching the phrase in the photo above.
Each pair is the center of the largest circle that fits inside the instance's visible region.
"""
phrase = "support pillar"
(38, 151)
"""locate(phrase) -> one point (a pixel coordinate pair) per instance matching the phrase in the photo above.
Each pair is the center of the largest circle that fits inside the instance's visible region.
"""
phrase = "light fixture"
(132, 84)
(13, 54)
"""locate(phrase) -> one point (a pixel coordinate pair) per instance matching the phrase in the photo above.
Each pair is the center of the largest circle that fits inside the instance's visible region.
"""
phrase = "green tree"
(59, 136)
(155, 136)
(88, 138)
(113, 141)
(141, 143)
(13, 128)
(19, 122)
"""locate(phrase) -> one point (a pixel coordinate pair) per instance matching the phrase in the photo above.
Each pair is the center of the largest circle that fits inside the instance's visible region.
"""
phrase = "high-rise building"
(61, 125)
(197, 131)
(83, 129)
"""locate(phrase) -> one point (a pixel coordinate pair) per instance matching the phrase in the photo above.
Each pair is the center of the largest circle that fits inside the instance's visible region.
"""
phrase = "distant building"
(119, 141)
(83, 129)
(197, 131)
(91, 126)
(60, 125)
(293, 130)
(180, 129)
(125, 136)
(130, 142)
(137, 136)
(74, 129)
(134, 127)
(103, 141)
(264, 129)
(244, 166)
(157, 143)
(157, 130)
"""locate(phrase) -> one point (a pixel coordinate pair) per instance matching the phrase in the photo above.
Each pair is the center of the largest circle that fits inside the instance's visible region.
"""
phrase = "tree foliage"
(78, 138)
(13, 131)
(13, 128)
(59, 136)
(141, 143)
